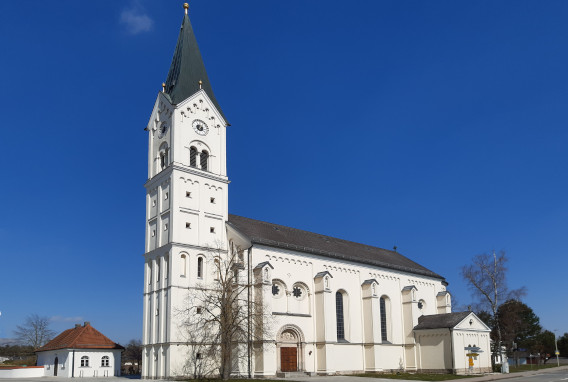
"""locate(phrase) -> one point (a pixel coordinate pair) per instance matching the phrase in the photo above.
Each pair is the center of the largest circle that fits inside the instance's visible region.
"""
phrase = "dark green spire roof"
(187, 69)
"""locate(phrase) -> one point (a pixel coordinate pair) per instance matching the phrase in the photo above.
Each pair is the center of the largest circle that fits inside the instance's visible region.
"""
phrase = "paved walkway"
(339, 378)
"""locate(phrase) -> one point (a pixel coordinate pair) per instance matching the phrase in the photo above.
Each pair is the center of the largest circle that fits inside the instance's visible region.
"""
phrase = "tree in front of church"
(222, 320)
(486, 276)
(35, 331)
(563, 345)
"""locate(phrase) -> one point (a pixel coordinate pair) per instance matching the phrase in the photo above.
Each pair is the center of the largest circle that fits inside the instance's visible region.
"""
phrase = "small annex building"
(456, 342)
(80, 352)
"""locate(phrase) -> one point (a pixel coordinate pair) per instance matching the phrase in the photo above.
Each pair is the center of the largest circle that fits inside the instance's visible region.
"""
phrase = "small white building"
(80, 352)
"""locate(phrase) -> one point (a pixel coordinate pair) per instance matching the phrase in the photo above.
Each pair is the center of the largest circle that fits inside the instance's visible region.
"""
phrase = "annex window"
(203, 159)
(212, 229)
(105, 361)
(84, 361)
(200, 267)
(212, 200)
(339, 316)
(187, 225)
(193, 156)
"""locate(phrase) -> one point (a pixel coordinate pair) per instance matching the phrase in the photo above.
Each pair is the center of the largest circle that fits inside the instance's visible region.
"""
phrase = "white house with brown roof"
(80, 352)
(334, 306)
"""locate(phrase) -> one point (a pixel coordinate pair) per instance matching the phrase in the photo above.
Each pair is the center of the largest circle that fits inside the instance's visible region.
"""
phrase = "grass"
(521, 368)
(417, 376)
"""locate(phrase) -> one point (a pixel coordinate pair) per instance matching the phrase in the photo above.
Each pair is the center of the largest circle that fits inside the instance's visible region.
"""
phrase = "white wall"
(67, 369)
(22, 372)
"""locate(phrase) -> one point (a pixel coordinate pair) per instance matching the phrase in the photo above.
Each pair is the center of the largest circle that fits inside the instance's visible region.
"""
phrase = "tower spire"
(187, 69)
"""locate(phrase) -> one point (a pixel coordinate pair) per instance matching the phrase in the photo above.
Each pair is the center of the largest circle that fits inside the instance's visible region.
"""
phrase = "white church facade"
(334, 306)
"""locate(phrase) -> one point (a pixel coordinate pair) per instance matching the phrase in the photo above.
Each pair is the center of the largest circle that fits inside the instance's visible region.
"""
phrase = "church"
(327, 306)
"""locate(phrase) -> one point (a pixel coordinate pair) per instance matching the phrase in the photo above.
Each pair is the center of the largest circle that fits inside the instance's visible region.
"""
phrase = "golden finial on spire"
(200, 83)
(185, 6)
(164, 87)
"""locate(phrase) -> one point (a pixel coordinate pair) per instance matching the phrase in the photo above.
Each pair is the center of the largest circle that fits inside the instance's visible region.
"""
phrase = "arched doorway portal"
(290, 349)
(55, 365)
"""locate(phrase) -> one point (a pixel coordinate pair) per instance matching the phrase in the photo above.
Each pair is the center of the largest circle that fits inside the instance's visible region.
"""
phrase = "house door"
(55, 364)
(289, 359)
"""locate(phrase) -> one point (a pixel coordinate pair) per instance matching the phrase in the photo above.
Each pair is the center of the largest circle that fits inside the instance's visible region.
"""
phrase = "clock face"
(200, 127)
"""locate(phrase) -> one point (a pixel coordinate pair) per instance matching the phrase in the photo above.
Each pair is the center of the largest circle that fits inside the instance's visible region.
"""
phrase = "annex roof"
(279, 236)
(439, 321)
(187, 69)
(80, 337)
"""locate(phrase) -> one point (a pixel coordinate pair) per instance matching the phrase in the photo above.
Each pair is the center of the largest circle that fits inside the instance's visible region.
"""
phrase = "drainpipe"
(249, 348)
(73, 365)
(452, 350)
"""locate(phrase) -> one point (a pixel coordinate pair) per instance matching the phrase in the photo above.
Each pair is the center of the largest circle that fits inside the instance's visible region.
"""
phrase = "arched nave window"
(384, 306)
(105, 361)
(193, 156)
(204, 159)
(84, 361)
(340, 302)
(200, 267)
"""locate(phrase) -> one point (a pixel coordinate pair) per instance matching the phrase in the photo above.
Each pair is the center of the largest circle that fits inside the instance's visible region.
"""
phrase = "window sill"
(291, 314)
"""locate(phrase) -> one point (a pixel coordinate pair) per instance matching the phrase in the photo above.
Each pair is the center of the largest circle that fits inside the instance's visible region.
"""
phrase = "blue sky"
(438, 127)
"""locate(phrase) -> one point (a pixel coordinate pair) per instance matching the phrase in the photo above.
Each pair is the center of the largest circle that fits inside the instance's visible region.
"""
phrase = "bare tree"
(223, 318)
(487, 280)
(35, 331)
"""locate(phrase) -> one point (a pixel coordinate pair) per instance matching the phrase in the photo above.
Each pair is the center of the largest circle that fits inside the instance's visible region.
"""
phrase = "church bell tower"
(186, 201)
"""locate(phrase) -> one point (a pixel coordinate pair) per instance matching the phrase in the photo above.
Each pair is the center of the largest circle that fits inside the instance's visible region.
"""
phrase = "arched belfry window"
(339, 316)
(164, 154)
(204, 158)
(193, 156)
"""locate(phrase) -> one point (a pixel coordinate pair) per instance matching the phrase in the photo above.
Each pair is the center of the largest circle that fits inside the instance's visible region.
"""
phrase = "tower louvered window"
(204, 159)
(193, 157)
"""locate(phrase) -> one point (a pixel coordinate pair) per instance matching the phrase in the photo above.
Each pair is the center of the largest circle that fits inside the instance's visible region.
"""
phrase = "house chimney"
(87, 323)
(77, 325)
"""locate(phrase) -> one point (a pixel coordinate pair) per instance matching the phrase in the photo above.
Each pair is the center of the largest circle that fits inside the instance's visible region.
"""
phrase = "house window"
(212, 229)
(339, 316)
(212, 200)
(187, 225)
(198, 310)
(105, 361)
(383, 309)
(188, 194)
(193, 156)
(203, 159)
(200, 267)
(84, 361)
(198, 356)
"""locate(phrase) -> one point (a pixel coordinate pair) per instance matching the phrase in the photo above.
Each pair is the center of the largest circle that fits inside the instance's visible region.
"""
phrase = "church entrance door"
(289, 359)
(55, 364)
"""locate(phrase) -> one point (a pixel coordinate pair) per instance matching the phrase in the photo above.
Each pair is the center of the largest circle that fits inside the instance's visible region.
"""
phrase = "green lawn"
(521, 368)
(417, 376)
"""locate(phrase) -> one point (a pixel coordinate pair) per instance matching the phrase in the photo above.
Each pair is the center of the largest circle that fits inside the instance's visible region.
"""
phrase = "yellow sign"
(470, 362)
(472, 354)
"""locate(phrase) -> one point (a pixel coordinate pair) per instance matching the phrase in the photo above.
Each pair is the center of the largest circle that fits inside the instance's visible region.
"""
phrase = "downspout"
(249, 348)
(73, 365)
(452, 350)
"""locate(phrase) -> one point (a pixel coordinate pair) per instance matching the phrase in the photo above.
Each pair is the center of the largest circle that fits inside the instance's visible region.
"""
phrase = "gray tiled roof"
(279, 236)
(438, 321)
(187, 69)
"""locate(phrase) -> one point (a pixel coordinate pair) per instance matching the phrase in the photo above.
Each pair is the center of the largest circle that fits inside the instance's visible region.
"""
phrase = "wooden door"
(289, 359)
